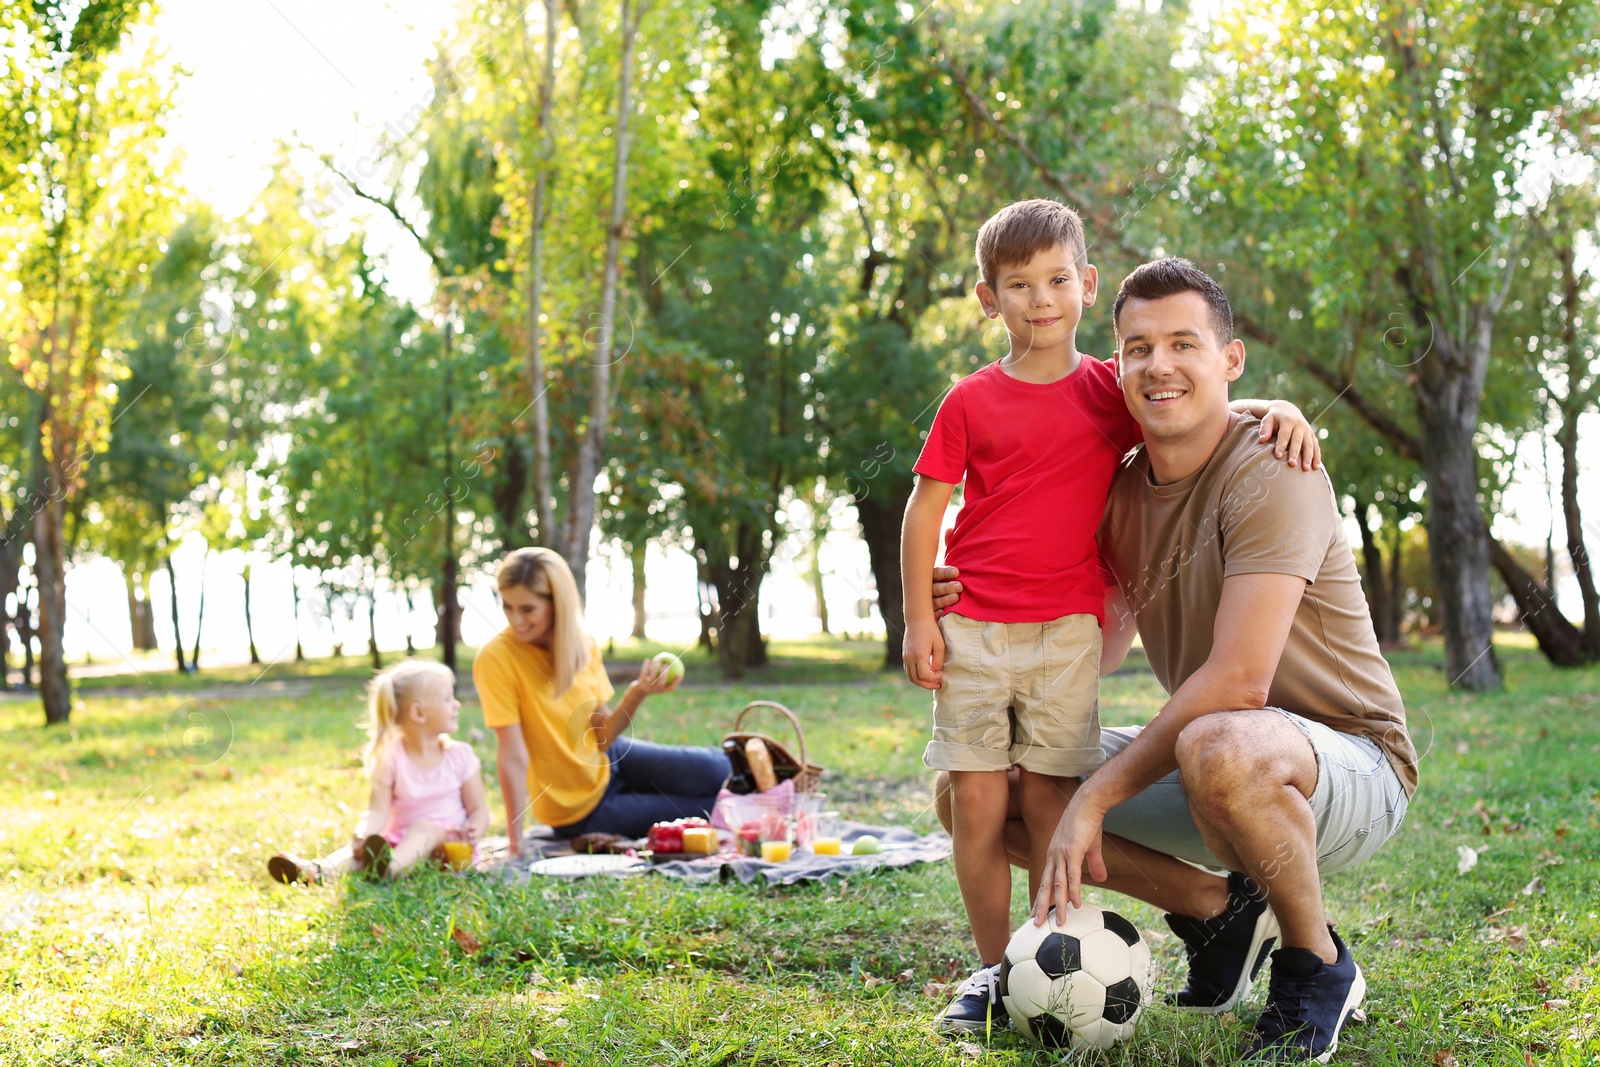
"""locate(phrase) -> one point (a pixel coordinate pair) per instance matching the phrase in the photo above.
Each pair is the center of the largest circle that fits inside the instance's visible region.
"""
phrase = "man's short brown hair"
(1169, 277)
(1020, 231)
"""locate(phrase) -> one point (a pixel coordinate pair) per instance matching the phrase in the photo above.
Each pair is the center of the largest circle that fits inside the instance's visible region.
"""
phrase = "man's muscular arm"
(1254, 616)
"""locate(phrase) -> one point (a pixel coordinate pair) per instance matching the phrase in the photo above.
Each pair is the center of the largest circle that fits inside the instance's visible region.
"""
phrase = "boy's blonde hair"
(1018, 232)
(545, 573)
(388, 693)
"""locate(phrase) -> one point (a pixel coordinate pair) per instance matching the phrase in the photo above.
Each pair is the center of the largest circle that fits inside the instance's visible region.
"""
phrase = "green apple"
(672, 665)
(866, 845)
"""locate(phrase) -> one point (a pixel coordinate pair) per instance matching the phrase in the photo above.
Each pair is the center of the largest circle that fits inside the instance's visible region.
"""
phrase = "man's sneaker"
(1225, 951)
(1308, 1003)
(977, 1005)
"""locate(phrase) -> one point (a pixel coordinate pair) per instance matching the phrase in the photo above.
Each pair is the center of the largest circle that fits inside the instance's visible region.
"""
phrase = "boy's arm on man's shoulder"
(1297, 438)
(1117, 635)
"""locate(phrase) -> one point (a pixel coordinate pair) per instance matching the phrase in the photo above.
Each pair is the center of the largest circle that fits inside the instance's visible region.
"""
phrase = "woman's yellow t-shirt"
(567, 773)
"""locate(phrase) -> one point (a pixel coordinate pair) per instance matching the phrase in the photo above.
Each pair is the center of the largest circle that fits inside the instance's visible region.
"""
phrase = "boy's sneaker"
(977, 1005)
(1308, 1003)
(1226, 951)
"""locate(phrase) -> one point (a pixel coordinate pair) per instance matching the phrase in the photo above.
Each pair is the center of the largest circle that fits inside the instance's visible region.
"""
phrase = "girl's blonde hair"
(545, 573)
(389, 692)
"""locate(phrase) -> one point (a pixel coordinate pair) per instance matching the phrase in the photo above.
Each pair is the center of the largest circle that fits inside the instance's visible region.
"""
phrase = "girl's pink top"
(432, 794)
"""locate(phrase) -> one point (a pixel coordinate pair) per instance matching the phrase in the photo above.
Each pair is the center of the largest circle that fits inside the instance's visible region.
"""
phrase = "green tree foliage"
(86, 207)
(1385, 157)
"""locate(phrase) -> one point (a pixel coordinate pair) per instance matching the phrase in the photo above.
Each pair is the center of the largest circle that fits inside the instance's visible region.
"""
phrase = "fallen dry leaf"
(967, 1048)
(1535, 886)
(1466, 859)
(380, 931)
(1445, 1057)
(937, 990)
(1514, 937)
(541, 1060)
(468, 943)
(1358, 1016)
(1552, 1005)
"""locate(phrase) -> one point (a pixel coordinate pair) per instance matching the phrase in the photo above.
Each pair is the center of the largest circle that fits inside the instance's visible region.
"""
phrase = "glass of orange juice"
(820, 831)
(775, 851)
(458, 854)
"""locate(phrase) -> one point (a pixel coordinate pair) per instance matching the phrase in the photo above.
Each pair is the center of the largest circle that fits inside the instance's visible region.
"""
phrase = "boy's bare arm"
(1116, 636)
(923, 649)
(1297, 438)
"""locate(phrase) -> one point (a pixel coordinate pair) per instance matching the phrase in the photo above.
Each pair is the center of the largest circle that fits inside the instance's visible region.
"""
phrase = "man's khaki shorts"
(1023, 694)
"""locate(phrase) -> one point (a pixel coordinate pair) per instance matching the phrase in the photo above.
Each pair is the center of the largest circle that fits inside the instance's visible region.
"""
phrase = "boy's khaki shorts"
(1021, 694)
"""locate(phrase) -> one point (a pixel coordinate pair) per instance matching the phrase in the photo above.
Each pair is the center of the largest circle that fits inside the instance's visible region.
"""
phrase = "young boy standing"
(1037, 437)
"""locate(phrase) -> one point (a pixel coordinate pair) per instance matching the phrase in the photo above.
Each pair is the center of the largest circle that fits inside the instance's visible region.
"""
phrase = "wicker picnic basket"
(806, 775)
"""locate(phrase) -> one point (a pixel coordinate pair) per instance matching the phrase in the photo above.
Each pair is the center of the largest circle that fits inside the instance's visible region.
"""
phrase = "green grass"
(137, 924)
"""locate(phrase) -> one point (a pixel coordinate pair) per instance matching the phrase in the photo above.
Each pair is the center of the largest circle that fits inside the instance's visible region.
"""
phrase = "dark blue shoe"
(1226, 951)
(1308, 1003)
(977, 1006)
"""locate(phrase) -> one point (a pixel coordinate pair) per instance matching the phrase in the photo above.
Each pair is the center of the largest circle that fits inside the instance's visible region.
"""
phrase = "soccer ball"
(1078, 980)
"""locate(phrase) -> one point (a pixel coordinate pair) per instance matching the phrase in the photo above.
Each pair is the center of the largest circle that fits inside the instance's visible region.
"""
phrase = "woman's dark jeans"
(652, 783)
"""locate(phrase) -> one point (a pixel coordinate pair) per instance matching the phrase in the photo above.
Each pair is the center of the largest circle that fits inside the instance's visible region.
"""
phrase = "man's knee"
(1228, 757)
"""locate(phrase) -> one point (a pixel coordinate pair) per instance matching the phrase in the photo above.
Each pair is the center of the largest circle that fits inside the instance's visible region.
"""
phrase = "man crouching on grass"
(1282, 753)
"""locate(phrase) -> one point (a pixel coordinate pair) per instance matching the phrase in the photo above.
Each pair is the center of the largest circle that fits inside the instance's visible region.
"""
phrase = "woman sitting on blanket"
(563, 752)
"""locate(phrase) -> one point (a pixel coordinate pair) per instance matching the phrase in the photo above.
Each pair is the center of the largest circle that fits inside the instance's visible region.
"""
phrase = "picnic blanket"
(549, 857)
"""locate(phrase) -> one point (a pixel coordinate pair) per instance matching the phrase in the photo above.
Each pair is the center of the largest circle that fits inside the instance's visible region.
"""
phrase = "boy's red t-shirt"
(1038, 461)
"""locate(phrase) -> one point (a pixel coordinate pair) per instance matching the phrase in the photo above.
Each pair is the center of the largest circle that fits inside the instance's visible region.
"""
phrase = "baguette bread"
(760, 760)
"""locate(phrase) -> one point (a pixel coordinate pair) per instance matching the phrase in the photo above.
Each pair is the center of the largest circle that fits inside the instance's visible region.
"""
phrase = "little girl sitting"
(426, 788)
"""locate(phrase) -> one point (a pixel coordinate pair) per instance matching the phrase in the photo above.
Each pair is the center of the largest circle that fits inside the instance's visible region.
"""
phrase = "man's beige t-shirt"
(1245, 512)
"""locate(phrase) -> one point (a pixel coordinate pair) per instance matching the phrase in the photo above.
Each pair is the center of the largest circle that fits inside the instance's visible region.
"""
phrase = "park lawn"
(137, 924)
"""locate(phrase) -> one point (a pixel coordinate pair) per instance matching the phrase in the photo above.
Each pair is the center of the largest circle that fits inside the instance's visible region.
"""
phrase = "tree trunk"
(372, 625)
(1397, 591)
(141, 610)
(736, 570)
(1571, 409)
(49, 573)
(704, 589)
(177, 631)
(26, 632)
(817, 591)
(543, 490)
(294, 588)
(755, 646)
(10, 575)
(637, 558)
(1448, 387)
(591, 451)
(1372, 572)
(14, 537)
(200, 619)
(1558, 639)
(330, 599)
(880, 527)
(448, 633)
(1577, 550)
(411, 614)
(249, 624)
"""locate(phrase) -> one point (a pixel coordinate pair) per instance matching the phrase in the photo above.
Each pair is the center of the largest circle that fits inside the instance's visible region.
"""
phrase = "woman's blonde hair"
(544, 573)
(389, 692)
